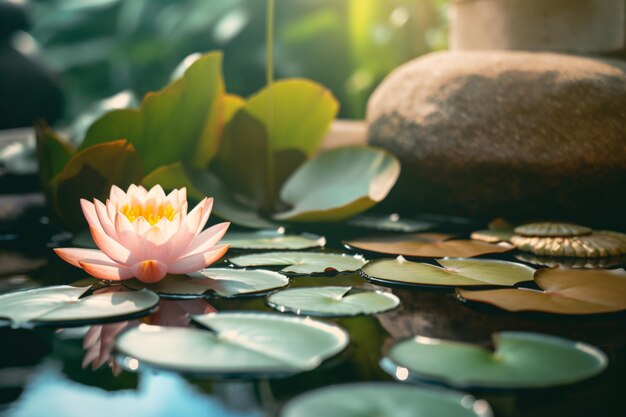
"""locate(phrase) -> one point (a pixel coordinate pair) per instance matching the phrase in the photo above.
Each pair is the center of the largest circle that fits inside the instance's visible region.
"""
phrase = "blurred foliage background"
(102, 47)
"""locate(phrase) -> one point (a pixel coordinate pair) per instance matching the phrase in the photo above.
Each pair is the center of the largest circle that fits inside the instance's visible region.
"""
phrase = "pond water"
(42, 372)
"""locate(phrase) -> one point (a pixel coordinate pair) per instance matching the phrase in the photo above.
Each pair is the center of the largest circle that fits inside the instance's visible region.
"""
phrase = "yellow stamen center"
(152, 213)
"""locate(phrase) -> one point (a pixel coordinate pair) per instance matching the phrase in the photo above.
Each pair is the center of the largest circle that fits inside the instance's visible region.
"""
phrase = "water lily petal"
(111, 247)
(187, 231)
(89, 210)
(73, 255)
(126, 233)
(117, 195)
(206, 212)
(208, 238)
(156, 245)
(105, 221)
(106, 270)
(193, 263)
(149, 271)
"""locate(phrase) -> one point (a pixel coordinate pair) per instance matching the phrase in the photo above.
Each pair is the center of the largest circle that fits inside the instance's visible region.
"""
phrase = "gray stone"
(514, 134)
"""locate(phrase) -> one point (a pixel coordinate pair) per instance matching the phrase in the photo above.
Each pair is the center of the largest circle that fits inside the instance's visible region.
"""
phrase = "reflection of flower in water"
(99, 341)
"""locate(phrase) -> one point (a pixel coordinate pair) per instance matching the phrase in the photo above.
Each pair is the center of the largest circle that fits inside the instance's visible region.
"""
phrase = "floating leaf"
(271, 239)
(339, 184)
(384, 399)
(332, 301)
(239, 344)
(521, 360)
(182, 122)
(90, 174)
(302, 262)
(391, 223)
(454, 272)
(67, 306)
(224, 282)
(200, 183)
(565, 291)
(552, 262)
(427, 245)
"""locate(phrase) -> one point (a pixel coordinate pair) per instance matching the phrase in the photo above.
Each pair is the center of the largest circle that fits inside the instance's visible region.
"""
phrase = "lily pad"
(272, 239)
(454, 272)
(493, 236)
(224, 282)
(384, 399)
(332, 301)
(521, 360)
(565, 291)
(552, 229)
(302, 262)
(239, 344)
(67, 306)
(338, 184)
(391, 223)
(427, 245)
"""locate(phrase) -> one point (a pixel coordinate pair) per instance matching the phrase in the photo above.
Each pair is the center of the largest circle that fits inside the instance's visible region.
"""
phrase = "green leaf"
(272, 239)
(302, 262)
(239, 344)
(339, 184)
(384, 399)
(182, 122)
(224, 282)
(66, 306)
(521, 360)
(90, 174)
(201, 183)
(332, 301)
(297, 114)
(453, 272)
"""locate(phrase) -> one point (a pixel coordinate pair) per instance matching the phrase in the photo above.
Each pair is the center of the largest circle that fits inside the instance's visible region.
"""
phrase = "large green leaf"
(224, 282)
(332, 301)
(90, 174)
(53, 153)
(182, 122)
(521, 360)
(65, 306)
(339, 184)
(453, 272)
(200, 184)
(287, 120)
(272, 239)
(239, 344)
(297, 114)
(384, 399)
(302, 262)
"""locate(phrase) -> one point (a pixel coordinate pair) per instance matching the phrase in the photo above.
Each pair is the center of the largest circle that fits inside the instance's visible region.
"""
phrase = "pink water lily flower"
(146, 234)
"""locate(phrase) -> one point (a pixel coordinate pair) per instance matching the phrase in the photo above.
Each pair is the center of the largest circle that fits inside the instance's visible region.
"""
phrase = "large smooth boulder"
(515, 134)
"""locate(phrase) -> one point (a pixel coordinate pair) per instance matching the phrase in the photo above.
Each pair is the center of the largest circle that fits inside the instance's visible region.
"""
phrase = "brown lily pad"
(564, 291)
(552, 229)
(602, 244)
(427, 245)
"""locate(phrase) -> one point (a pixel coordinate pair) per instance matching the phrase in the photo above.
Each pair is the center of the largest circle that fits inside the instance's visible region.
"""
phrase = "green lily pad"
(67, 306)
(240, 344)
(384, 399)
(521, 360)
(182, 122)
(332, 301)
(302, 262)
(338, 184)
(224, 282)
(272, 239)
(391, 223)
(454, 272)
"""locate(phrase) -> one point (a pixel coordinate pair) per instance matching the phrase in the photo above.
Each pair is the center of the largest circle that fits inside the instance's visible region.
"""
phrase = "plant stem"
(271, 192)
